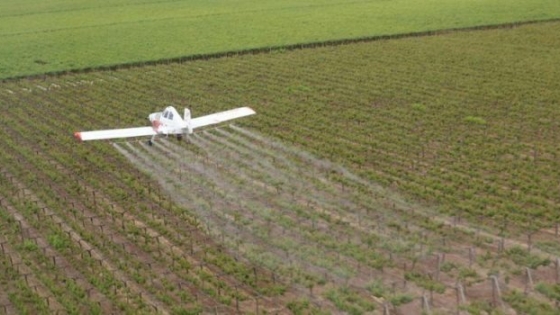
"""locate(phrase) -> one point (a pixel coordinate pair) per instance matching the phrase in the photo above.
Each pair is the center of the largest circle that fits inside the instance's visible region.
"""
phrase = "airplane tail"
(187, 119)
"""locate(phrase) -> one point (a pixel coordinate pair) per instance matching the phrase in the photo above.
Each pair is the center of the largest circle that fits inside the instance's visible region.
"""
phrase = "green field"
(45, 36)
(283, 212)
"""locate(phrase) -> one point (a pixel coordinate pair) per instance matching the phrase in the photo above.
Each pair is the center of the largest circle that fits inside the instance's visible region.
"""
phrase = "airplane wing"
(114, 133)
(221, 117)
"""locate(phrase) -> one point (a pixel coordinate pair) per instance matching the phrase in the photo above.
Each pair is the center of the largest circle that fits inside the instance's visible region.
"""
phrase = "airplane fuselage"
(167, 122)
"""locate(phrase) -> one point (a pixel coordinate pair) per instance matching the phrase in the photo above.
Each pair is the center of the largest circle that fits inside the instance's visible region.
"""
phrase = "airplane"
(168, 122)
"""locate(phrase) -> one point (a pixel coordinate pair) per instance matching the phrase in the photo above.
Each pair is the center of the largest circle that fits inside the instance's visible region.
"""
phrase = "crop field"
(38, 36)
(387, 177)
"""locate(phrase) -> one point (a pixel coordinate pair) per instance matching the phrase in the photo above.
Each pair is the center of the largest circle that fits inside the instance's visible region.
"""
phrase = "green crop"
(54, 35)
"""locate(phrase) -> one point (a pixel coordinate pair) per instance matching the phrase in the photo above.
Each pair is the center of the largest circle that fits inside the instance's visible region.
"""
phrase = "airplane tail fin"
(187, 119)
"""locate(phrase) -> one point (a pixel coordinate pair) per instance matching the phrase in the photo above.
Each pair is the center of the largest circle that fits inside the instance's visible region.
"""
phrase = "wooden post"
(529, 280)
(439, 263)
(472, 256)
(460, 295)
(501, 244)
(496, 293)
(557, 269)
(426, 305)
(386, 308)
(236, 299)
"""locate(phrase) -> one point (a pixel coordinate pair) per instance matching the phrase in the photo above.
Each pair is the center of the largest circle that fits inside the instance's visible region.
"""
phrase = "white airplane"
(168, 122)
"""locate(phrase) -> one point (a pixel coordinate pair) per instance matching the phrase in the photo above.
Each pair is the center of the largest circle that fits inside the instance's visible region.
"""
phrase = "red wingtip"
(78, 135)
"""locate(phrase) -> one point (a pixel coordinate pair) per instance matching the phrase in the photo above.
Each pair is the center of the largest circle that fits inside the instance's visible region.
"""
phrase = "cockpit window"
(170, 116)
(165, 114)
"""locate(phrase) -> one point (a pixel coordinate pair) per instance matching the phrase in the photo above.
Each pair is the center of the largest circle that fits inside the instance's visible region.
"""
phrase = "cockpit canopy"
(169, 113)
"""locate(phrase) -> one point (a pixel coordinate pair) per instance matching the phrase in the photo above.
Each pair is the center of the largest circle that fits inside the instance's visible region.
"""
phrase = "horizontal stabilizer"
(221, 117)
(114, 133)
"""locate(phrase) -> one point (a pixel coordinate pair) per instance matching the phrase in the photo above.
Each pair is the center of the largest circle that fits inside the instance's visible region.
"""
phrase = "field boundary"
(270, 49)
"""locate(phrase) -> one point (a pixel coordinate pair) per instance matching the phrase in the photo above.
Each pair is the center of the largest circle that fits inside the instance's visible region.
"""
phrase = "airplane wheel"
(150, 143)
(179, 137)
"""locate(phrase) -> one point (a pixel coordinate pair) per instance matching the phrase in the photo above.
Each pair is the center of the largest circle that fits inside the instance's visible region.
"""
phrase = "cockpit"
(168, 114)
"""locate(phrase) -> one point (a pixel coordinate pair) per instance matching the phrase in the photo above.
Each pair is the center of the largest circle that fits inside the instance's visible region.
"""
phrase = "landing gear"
(179, 137)
(151, 141)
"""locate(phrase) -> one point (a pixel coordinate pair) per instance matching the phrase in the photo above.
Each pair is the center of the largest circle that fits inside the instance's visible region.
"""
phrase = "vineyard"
(391, 177)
